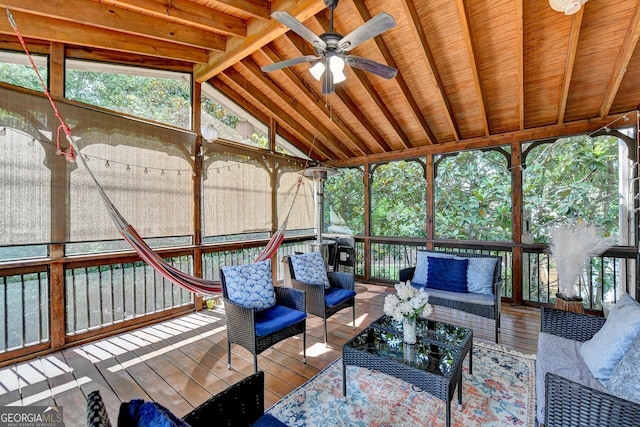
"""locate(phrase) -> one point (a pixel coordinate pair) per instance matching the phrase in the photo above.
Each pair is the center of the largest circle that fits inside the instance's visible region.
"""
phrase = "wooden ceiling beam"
(249, 66)
(235, 96)
(304, 48)
(404, 87)
(296, 79)
(259, 33)
(473, 61)
(572, 48)
(533, 134)
(88, 12)
(418, 33)
(43, 28)
(624, 56)
(260, 9)
(373, 94)
(322, 151)
(188, 13)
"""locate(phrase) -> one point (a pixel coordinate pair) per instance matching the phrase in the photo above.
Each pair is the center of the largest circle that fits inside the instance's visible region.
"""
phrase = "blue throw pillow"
(250, 286)
(422, 265)
(607, 347)
(138, 413)
(447, 274)
(309, 268)
(480, 275)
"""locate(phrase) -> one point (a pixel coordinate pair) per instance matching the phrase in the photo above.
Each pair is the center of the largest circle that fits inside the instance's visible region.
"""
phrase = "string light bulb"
(107, 165)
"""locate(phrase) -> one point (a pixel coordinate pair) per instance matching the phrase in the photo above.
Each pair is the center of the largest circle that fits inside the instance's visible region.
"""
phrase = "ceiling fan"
(331, 48)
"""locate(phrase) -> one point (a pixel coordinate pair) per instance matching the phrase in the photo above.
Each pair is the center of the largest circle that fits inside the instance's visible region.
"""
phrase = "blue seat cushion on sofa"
(335, 296)
(276, 318)
(447, 274)
(268, 420)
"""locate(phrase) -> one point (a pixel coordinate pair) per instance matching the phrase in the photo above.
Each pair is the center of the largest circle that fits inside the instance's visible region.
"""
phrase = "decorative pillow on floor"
(309, 268)
(250, 286)
(607, 347)
(422, 265)
(447, 274)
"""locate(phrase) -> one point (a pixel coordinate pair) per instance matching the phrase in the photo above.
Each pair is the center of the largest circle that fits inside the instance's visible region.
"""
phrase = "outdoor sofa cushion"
(251, 285)
(480, 275)
(561, 356)
(447, 274)
(310, 268)
(468, 297)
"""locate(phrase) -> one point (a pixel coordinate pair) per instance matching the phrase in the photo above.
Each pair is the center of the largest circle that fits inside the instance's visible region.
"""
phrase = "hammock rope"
(129, 233)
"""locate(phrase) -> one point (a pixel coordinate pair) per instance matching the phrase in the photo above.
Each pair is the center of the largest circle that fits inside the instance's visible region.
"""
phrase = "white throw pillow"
(607, 347)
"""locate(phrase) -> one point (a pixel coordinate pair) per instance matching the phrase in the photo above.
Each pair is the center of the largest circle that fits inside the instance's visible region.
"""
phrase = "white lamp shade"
(339, 77)
(317, 70)
(568, 7)
(336, 63)
(210, 133)
(244, 129)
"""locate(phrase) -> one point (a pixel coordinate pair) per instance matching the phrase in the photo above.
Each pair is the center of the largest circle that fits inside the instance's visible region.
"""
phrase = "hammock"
(191, 283)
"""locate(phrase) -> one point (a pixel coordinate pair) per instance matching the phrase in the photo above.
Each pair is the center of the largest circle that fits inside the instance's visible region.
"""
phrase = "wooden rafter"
(116, 19)
(304, 49)
(260, 9)
(404, 87)
(572, 48)
(252, 92)
(373, 94)
(468, 39)
(312, 95)
(40, 27)
(624, 56)
(249, 66)
(259, 33)
(425, 51)
(186, 12)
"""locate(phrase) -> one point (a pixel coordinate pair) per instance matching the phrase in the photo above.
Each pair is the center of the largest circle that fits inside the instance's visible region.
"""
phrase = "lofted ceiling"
(472, 73)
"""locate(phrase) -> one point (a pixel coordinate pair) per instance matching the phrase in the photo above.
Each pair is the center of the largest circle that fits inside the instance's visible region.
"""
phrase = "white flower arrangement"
(407, 303)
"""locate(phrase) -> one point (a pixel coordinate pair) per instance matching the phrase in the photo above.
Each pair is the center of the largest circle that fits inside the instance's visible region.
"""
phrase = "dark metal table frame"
(434, 345)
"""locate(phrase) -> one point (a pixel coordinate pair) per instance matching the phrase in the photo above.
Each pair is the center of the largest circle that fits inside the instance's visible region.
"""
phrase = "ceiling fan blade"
(289, 62)
(374, 26)
(327, 83)
(371, 66)
(298, 27)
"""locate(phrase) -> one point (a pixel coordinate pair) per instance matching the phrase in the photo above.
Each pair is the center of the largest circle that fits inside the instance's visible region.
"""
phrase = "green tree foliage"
(398, 200)
(22, 75)
(473, 197)
(573, 179)
(344, 194)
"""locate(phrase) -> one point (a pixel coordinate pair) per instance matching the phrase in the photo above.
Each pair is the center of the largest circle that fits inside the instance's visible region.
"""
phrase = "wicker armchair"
(569, 404)
(241, 323)
(317, 295)
(242, 404)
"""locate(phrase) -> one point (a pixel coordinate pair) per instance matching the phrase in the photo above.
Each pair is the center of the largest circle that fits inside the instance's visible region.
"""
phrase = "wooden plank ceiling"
(471, 72)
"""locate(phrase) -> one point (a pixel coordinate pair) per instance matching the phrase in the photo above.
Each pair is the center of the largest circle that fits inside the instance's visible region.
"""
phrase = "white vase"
(409, 330)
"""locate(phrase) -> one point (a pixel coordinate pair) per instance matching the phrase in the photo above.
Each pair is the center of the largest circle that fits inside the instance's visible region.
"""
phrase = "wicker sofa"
(485, 305)
(572, 396)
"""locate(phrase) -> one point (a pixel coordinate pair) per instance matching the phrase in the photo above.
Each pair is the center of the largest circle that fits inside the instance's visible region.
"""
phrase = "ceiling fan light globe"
(568, 7)
(338, 77)
(210, 133)
(244, 129)
(317, 70)
(336, 64)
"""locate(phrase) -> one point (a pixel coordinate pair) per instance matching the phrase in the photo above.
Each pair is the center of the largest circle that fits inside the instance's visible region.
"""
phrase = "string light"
(146, 171)
(107, 165)
(3, 131)
(31, 142)
(162, 173)
(128, 168)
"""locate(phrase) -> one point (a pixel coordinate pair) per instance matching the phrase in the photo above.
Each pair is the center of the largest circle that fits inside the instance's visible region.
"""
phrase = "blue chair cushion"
(250, 286)
(422, 266)
(447, 274)
(138, 413)
(276, 318)
(335, 296)
(309, 268)
(268, 420)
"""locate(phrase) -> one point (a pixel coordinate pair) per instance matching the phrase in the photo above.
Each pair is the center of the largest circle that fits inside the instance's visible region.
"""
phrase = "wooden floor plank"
(183, 362)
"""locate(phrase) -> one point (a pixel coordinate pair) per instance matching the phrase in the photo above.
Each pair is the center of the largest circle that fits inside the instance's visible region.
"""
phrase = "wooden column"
(196, 123)
(275, 181)
(516, 220)
(367, 222)
(273, 129)
(430, 176)
(60, 215)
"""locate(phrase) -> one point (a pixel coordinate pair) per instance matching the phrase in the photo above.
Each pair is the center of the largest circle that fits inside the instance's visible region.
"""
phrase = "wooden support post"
(517, 207)
(273, 177)
(196, 123)
(367, 222)
(430, 175)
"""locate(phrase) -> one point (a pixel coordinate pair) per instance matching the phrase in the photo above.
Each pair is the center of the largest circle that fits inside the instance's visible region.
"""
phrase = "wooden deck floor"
(182, 362)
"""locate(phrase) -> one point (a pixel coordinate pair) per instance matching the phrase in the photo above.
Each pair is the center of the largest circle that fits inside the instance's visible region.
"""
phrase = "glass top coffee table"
(433, 363)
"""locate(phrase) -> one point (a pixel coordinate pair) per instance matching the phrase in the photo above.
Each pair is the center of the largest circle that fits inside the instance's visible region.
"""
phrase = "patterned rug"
(501, 392)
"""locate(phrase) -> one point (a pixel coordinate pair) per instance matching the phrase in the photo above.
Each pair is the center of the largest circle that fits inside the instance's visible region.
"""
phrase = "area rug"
(501, 392)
